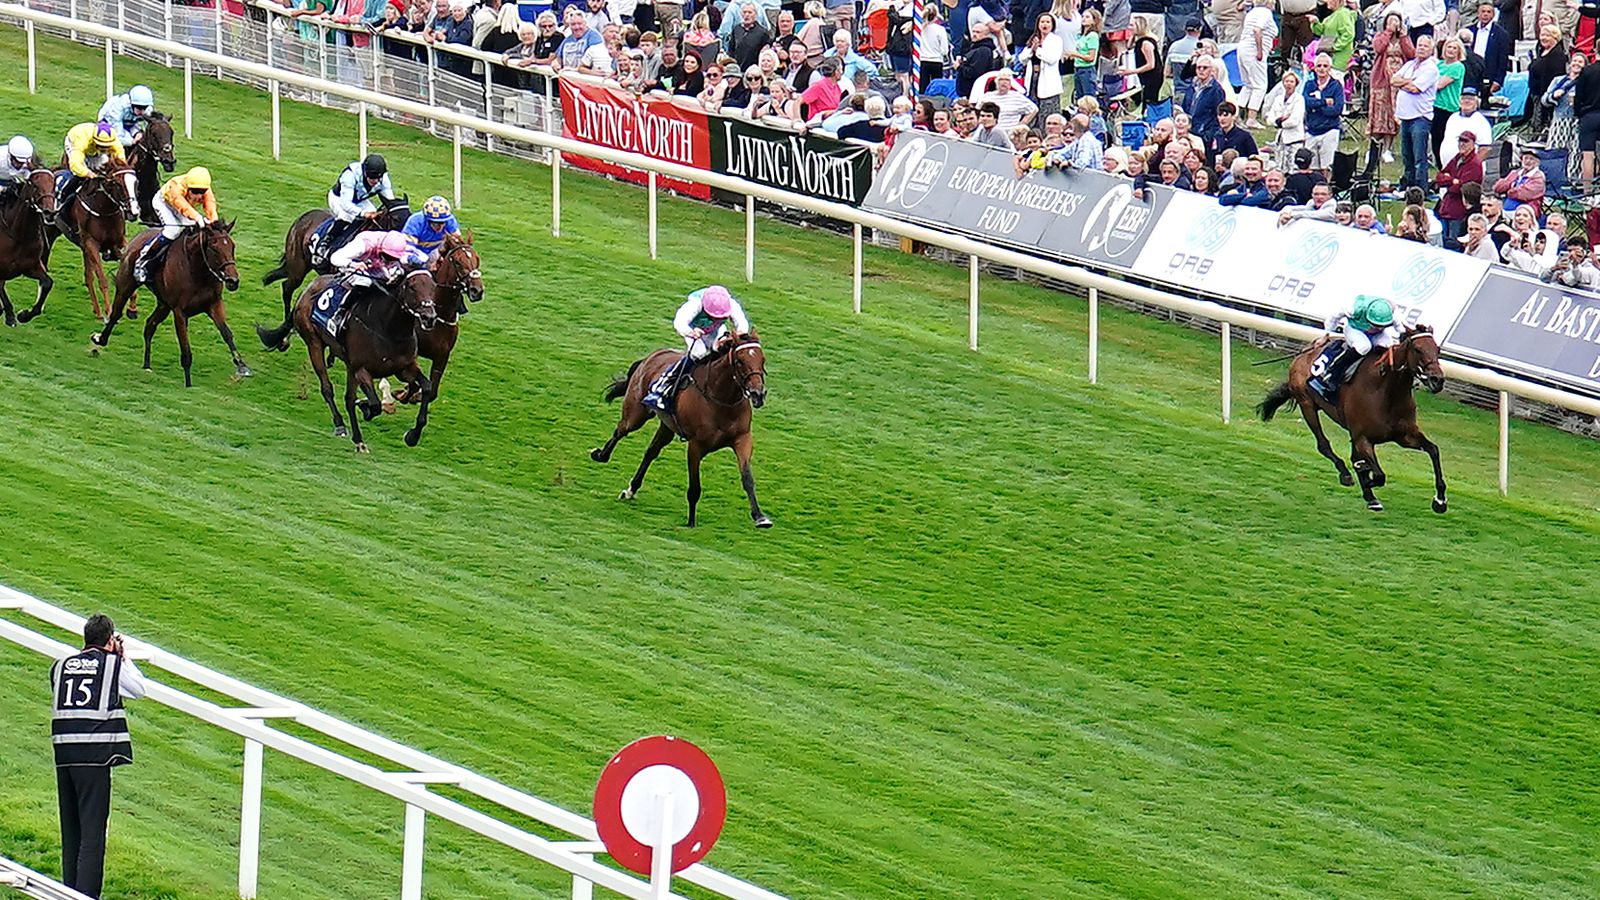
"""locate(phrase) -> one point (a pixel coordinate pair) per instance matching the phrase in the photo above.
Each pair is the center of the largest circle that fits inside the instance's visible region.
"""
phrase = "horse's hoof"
(11, 320)
(1346, 479)
(243, 372)
(26, 316)
(1375, 505)
(283, 347)
(1440, 504)
(96, 342)
(387, 407)
(412, 437)
(363, 448)
(340, 431)
(597, 455)
(763, 522)
(131, 314)
(627, 494)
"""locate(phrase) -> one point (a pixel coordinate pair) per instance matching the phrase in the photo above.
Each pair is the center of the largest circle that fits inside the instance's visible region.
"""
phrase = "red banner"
(624, 121)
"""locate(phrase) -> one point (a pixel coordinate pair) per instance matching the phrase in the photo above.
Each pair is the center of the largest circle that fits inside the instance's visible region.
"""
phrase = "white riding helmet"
(20, 148)
(141, 96)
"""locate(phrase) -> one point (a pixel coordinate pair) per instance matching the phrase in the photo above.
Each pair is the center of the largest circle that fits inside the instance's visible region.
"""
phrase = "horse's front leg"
(91, 256)
(42, 275)
(219, 317)
(5, 306)
(1416, 440)
(420, 386)
(695, 454)
(742, 448)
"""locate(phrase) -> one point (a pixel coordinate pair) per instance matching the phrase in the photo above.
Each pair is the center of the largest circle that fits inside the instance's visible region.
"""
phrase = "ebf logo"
(1116, 223)
(910, 176)
(1418, 279)
(1312, 255)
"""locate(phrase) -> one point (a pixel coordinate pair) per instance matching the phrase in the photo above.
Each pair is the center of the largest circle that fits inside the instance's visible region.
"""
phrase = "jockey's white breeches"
(347, 213)
(699, 348)
(1357, 340)
(172, 221)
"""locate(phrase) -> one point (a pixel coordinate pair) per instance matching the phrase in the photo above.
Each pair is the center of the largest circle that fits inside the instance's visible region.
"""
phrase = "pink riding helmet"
(395, 245)
(716, 302)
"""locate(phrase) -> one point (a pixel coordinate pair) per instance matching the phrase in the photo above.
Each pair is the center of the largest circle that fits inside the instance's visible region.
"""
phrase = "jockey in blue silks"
(429, 227)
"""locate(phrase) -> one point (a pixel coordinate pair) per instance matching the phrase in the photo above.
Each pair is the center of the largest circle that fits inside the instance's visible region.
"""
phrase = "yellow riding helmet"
(198, 179)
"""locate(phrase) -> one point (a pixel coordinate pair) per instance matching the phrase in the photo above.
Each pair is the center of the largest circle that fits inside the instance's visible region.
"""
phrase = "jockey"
(185, 200)
(372, 258)
(128, 112)
(429, 227)
(16, 161)
(89, 146)
(703, 321)
(351, 197)
(1367, 322)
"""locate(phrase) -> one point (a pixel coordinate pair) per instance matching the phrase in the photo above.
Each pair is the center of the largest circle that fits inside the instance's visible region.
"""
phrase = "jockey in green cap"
(1366, 323)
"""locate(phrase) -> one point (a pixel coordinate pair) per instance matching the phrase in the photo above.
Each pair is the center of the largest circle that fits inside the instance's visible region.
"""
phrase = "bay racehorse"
(379, 340)
(296, 263)
(24, 242)
(153, 149)
(712, 410)
(187, 282)
(96, 219)
(1375, 406)
(457, 273)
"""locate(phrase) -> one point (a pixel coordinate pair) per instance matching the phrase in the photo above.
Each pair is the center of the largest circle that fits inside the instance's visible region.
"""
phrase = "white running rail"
(29, 883)
(252, 719)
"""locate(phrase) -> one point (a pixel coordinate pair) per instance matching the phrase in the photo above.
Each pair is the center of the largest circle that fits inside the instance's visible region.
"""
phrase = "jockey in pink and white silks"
(703, 320)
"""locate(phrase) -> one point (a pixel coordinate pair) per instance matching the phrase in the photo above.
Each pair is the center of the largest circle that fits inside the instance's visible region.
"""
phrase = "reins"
(744, 390)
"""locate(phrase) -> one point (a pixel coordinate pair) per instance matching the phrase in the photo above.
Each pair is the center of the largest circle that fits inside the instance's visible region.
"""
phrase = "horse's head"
(157, 140)
(749, 366)
(39, 192)
(122, 186)
(217, 251)
(393, 215)
(1418, 356)
(417, 294)
(457, 267)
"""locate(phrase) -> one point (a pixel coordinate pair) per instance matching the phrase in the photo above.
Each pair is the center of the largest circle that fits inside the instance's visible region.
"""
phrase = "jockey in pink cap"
(703, 320)
(371, 258)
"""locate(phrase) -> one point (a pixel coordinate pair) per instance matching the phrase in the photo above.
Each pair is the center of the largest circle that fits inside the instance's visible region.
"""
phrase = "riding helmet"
(436, 209)
(374, 166)
(716, 302)
(20, 148)
(198, 178)
(394, 245)
(141, 97)
(1379, 312)
(104, 135)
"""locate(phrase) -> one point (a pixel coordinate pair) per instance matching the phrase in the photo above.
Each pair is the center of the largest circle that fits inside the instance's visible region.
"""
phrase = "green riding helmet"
(1372, 312)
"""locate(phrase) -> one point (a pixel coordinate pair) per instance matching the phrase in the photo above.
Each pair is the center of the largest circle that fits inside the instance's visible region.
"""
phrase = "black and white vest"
(88, 725)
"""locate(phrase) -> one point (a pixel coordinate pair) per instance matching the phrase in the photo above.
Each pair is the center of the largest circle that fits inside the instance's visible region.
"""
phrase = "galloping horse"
(154, 148)
(379, 341)
(1376, 406)
(188, 282)
(456, 270)
(24, 243)
(295, 263)
(98, 216)
(712, 411)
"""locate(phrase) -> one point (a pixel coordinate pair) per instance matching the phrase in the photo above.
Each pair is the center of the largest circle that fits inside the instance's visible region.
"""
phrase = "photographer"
(89, 729)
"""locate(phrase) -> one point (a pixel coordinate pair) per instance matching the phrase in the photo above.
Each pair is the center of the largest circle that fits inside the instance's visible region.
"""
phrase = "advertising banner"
(974, 189)
(822, 167)
(1521, 323)
(1308, 268)
(622, 120)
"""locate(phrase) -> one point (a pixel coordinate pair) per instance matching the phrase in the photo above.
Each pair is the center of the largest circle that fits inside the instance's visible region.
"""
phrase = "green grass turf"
(1013, 635)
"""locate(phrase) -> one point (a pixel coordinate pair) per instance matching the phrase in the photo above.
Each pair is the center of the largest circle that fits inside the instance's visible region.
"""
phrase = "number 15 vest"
(88, 725)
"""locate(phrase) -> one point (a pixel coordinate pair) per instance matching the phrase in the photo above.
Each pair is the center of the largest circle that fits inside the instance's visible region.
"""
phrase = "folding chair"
(1155, 112)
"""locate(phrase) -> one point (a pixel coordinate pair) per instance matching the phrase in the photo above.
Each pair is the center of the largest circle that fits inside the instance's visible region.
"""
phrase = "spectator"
(965, 123)
(780, 102)
(1172, 175)
(982, 56)
(1179, 55)
(1116, 26)
(1413, 225)
(1557, 99)
(1201, 179)
(1336, 35)
(1230, 170)
(1319, 208)
(688, 80)
(1324, 107)
(1182, 134)
(1418, 82)
(1463, 169)
(1015, 107)
(596, 13)
(1526, 249)
(1153, 13)
(413, 22)
(1055, 132)
(1090, 107)
(1493, 45)
(1422, 17)
(455, 29)
(1366, 219)
(747, 39)
(711, 96)
(785, 34)
(942, 125)
(1574, 270)
(650, 60)
(1114, 161)
(1467, 118)
(669, 19)
(1391, 48)
(1524, 187)
(1286, 110)
(1586, 104)
(504, 35)
(730, 18)
(1207, 96)
(822, 96)
(1548, 64)
(935, 48)
(578, 41)
(1228, 16)
(1249, 189)
(630, 74)
(486, 18)
(1229, 135)
(89, 731)
(1042, 58)
(1147, 66)
(1500, 230)
(816, 35)
(1085, 55)
(1447, 97)
(989, 129)
(1084, 150)
(701, 40)
(1255, 43)
(522, 56)
(853, 110)
(1303, 181)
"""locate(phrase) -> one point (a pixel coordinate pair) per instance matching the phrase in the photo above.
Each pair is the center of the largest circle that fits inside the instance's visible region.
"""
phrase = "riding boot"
(665, 387)
(152, 254)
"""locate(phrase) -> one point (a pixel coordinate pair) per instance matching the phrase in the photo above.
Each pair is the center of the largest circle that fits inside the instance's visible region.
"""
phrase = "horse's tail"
(275, 338)
(619, 385)
(279, 273)
(1275, 400)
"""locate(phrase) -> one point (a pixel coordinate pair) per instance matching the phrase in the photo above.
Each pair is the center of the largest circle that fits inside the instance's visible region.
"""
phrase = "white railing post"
(188, 98)
(555, 195)
(122, 25)
(972, 302)
(750, 238)
(72, 12)
(361, 131)
(250, 821)
(1505, 443)
(582, 888)
(1094, 335)
(216, 22)
(456, 157)
(652, 216)
(1227, 372)
(661, 853)
(431, 70)
(550, 104)
(276, 140)
(110, 75)
(488, 103)
(411, 858)
(33, 62)
(167, 10)
(271, 39)
(322, 61)
(855, 272)
(377, 63)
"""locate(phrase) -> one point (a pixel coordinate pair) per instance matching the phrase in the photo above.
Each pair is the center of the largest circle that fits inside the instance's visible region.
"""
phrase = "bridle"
(31, 194)
(463, 275)
(422, 305)
(1405, 362)
(101, 185)
(216, 269)
(743, 375)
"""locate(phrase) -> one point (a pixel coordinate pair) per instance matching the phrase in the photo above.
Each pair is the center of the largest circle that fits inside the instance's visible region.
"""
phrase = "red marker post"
(659, 807)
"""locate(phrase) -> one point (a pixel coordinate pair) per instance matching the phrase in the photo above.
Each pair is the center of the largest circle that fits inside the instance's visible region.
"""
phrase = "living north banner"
(821, 167)
(623, 120)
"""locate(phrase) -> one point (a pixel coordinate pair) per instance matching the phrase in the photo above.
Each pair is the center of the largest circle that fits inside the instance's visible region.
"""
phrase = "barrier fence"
(252, 719)
(1113, 223)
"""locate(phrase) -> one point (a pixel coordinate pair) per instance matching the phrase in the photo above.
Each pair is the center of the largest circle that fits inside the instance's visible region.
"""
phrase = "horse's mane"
(727, 346)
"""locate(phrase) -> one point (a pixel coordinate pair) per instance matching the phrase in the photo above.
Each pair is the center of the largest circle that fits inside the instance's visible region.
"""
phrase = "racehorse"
(153, 148)
(712, 410)
(379, 341)
(295, 263)
(1376, 406)
(456, 271)
(188, 282)
(24, 243)
(98, 216)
